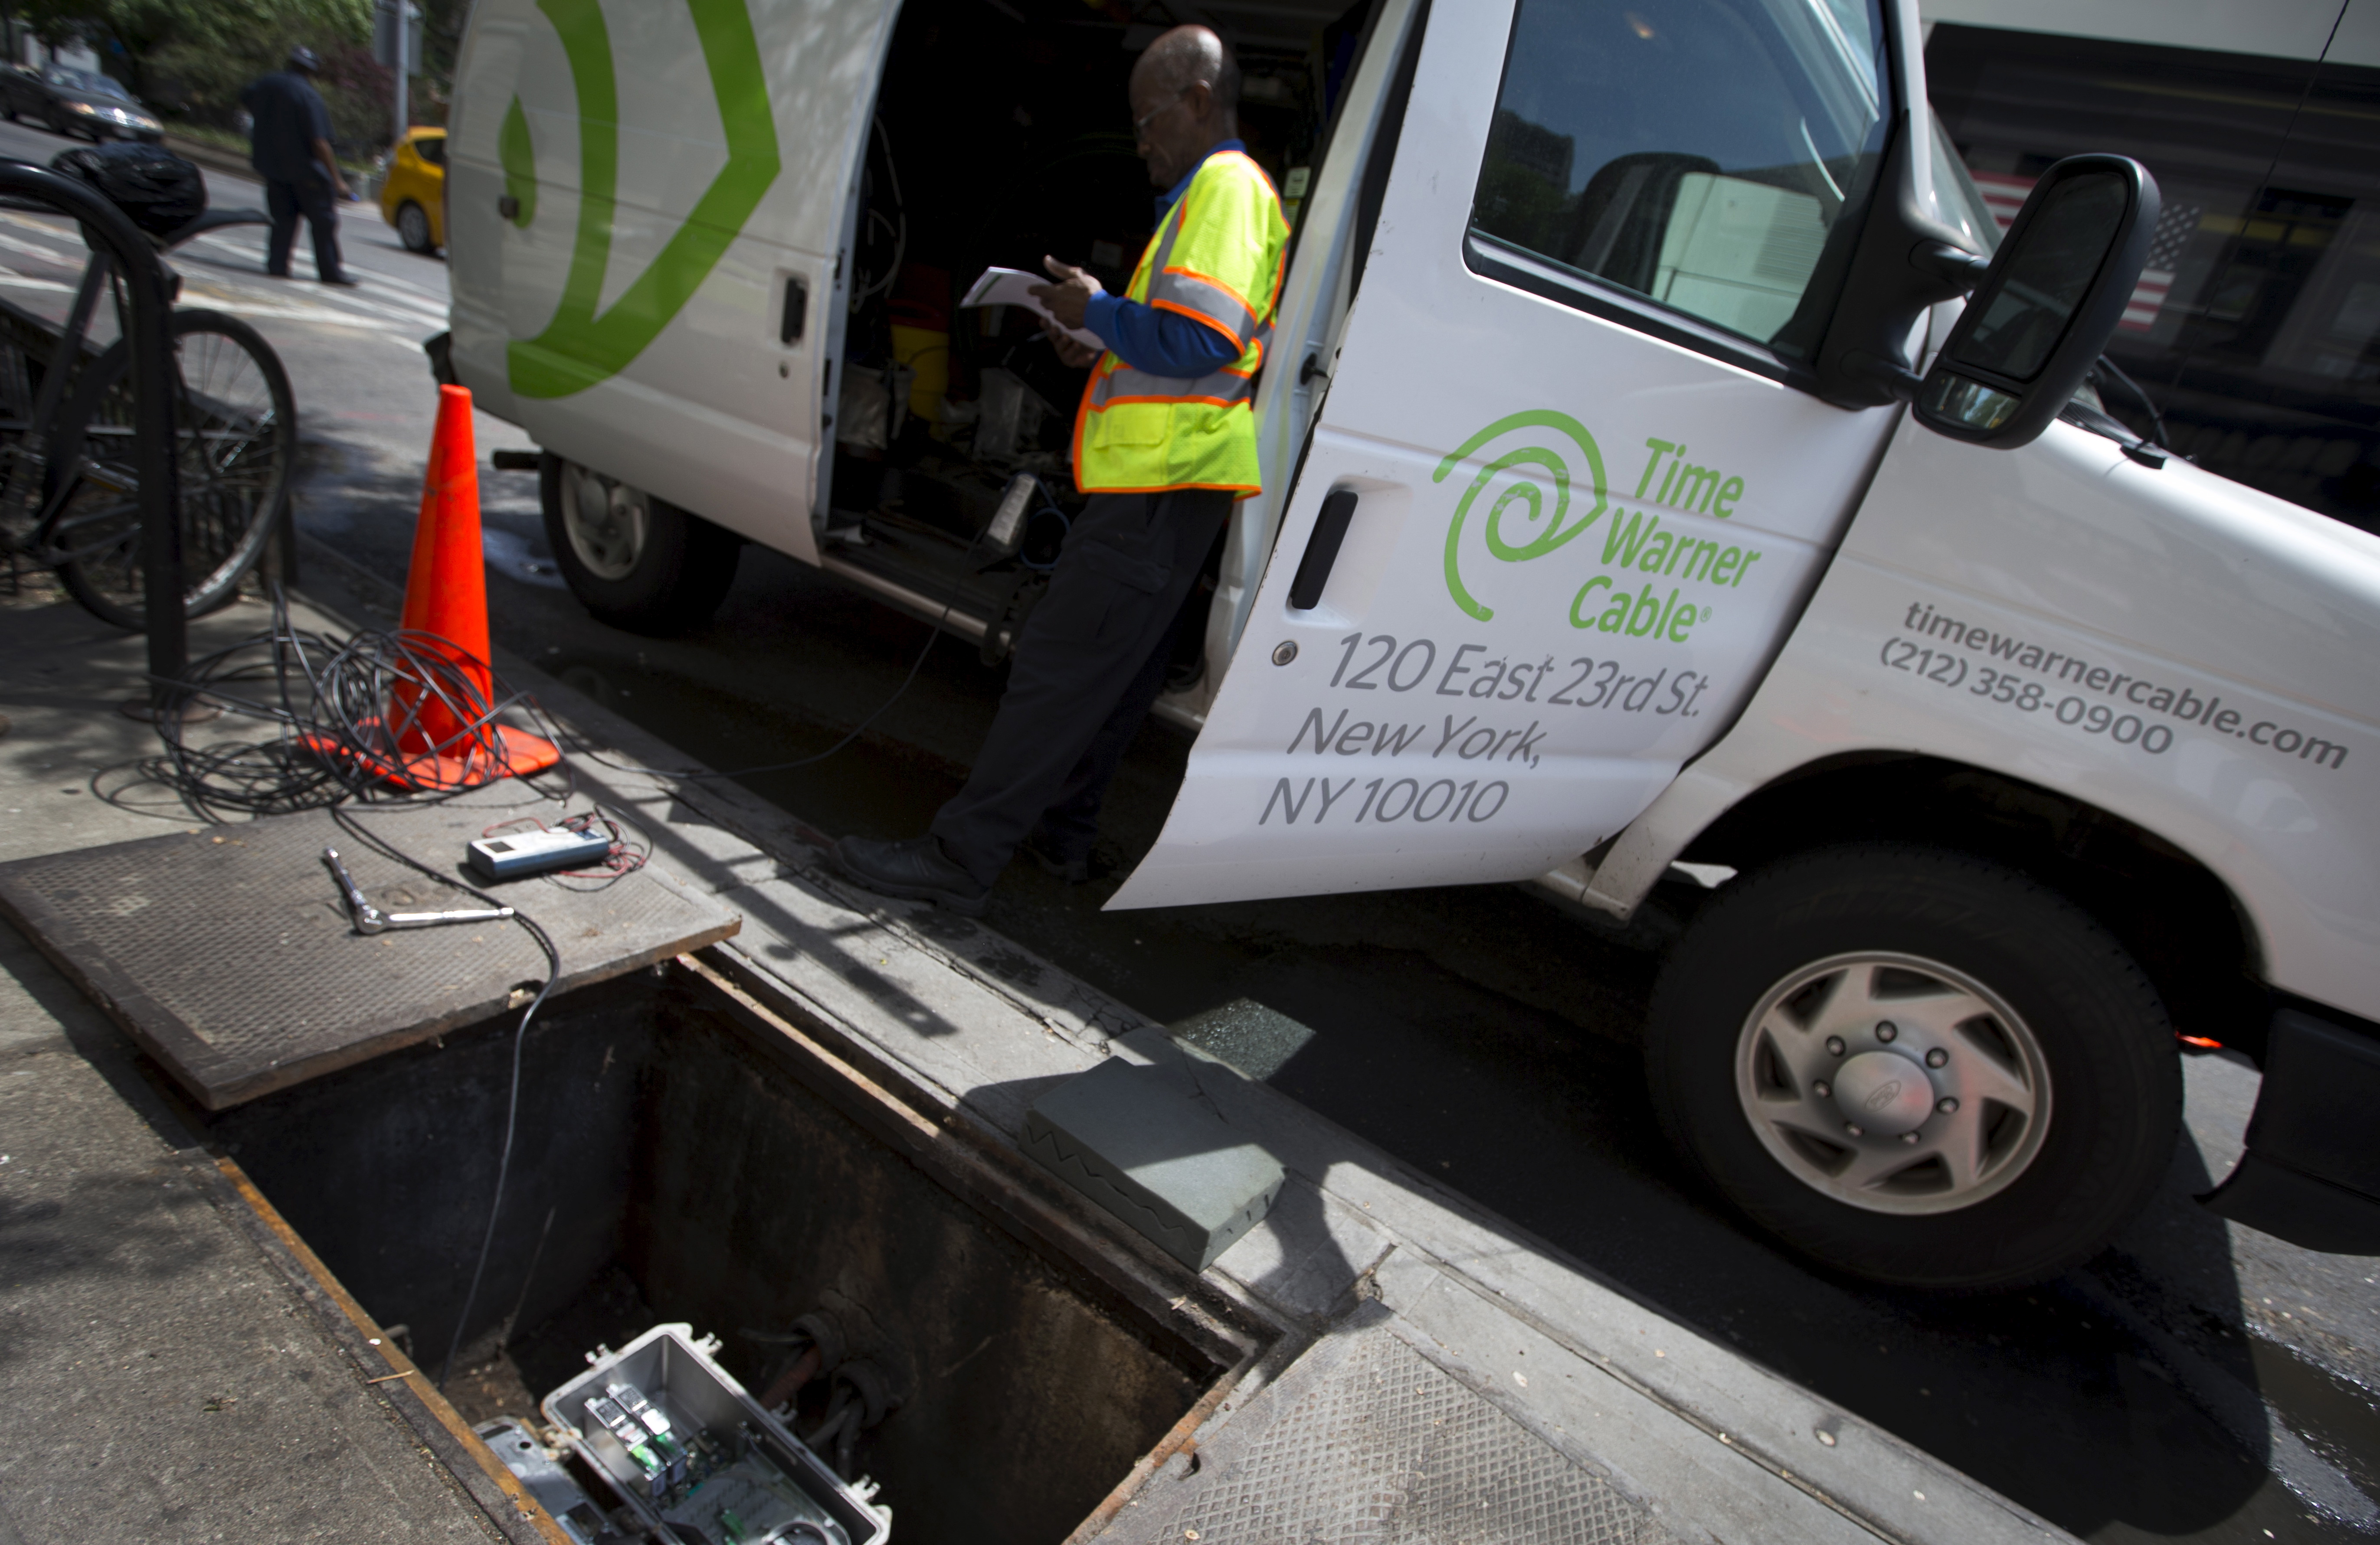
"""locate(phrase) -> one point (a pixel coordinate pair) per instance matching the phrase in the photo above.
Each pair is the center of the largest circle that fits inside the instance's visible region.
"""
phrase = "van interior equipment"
(940, 412)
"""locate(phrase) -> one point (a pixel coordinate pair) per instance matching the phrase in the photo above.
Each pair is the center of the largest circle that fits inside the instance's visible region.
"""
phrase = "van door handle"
(1322, 549)
(797, 313)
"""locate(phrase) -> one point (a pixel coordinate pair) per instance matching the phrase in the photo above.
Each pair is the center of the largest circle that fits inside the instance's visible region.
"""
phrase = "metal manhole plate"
(228, 955)
(1382, 1446)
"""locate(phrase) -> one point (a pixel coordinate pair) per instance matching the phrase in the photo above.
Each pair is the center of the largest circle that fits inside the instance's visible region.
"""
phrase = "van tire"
(673, 579)
(2015, 987)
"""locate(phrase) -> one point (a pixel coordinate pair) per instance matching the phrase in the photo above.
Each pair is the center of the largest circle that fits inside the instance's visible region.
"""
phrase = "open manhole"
(685, 1156)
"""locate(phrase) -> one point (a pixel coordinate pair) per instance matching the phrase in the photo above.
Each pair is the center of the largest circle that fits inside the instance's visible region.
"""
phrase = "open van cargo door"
(642, 247)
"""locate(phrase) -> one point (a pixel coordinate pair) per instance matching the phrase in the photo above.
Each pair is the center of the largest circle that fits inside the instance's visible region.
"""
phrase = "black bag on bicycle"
(159, 191)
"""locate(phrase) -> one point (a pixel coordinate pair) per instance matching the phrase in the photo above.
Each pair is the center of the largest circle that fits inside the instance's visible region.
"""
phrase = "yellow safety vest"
(1216, 257)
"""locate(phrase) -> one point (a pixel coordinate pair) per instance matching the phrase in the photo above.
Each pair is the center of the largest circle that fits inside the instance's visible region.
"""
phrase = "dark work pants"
(285, 203)
(1091, 660)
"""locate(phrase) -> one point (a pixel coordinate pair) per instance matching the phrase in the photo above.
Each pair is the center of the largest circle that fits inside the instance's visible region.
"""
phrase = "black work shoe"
(1041, 851)
(915, 870)
(341, 281)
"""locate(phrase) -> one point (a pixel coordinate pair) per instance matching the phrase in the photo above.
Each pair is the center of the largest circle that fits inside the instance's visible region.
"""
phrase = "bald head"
(1185, 95)
(1187, 56)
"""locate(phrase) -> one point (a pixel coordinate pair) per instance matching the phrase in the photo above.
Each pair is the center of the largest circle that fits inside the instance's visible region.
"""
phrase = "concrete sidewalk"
(1436, 1373)
(172, 1368)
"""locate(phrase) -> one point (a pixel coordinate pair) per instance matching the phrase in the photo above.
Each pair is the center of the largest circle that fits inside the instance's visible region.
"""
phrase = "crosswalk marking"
(385, 304)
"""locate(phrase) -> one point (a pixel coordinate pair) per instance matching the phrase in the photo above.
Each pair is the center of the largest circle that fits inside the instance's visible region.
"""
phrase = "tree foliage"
(191, 58)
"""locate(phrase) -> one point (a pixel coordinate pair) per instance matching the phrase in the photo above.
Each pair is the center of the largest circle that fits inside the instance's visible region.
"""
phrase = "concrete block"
(1149, 1144)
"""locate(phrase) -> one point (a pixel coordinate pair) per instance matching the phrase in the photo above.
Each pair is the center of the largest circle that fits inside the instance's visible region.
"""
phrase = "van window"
(1699, 153)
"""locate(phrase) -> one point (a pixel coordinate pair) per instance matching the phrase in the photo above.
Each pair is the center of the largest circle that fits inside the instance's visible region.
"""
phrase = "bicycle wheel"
(236, 447)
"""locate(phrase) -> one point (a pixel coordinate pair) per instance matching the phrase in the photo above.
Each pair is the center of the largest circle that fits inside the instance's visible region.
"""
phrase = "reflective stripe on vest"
(1116, 381)
(1140, 432)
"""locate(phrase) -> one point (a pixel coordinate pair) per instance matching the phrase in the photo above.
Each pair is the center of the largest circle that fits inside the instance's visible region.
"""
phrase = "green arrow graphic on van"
(1550, 533)
(580, 347)
(517, 156)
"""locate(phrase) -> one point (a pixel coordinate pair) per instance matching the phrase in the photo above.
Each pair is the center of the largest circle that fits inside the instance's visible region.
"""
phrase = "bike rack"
(148, 340)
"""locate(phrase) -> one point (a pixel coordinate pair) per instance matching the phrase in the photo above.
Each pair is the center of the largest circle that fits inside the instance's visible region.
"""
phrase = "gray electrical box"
(696, 1459)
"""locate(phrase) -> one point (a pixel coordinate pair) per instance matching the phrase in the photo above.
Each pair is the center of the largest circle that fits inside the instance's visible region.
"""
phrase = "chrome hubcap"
(1893, 1083)
(605, 521)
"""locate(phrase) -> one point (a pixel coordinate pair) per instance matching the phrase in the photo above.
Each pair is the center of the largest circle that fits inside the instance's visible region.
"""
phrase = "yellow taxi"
(413, 194)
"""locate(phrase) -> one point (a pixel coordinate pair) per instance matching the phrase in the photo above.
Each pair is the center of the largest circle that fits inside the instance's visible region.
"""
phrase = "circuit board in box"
(708, 1491)
(696, 1460)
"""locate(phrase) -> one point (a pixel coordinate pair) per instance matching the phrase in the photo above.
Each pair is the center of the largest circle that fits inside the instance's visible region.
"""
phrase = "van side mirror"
(2047, 305)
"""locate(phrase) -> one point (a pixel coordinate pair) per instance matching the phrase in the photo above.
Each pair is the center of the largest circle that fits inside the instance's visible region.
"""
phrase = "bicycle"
(69, 496)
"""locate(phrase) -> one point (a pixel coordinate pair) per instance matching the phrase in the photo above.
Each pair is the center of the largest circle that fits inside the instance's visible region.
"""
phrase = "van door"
(1571, 483)
(644, 245)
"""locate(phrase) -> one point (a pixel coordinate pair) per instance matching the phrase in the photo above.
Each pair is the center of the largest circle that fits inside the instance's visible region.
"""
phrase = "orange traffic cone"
(440, 732)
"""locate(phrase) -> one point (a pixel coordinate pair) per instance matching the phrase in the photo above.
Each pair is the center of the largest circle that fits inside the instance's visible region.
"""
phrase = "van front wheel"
(1915, 1066)
(633, 561)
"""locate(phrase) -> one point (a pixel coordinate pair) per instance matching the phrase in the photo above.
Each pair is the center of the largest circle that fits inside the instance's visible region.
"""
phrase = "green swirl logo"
(1525, 475)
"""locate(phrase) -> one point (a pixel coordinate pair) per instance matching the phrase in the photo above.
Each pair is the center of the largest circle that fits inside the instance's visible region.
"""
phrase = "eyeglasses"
(1141, 124)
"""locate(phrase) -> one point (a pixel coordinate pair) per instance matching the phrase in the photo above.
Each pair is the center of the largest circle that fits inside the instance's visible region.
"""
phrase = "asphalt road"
(2196, 1381)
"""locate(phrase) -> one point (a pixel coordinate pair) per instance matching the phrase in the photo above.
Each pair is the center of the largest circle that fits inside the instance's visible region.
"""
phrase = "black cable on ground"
(344, 711)
(347, 822)
(560, 736)
(326, 693)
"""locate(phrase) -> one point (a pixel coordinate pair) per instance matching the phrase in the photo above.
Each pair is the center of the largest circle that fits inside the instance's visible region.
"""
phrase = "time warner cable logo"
(1550, 531)
(1550, 489)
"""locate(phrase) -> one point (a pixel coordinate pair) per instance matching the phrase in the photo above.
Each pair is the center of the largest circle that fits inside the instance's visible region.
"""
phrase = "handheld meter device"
(516, 854)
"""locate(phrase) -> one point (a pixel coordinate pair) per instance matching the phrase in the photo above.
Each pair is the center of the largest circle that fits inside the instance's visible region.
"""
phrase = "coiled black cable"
(344, 711)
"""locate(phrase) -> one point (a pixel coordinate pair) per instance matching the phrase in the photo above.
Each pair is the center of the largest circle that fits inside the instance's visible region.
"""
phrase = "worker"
(1165, 442)
(289, 145)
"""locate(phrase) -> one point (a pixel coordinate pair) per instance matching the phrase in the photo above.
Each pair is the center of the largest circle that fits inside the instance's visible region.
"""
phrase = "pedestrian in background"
(289, 145)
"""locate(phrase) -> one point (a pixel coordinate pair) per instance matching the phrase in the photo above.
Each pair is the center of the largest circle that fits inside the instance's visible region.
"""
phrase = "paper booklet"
(1009, 286)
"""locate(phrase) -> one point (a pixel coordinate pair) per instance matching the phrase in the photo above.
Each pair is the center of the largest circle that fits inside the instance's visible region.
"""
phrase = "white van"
(1637, 493)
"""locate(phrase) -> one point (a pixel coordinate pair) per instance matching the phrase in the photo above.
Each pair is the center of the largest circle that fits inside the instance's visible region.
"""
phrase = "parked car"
(413, 194)
(77, 102)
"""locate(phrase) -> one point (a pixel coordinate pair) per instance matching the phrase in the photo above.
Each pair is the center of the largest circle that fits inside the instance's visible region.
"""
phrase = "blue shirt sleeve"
(1161, 343)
